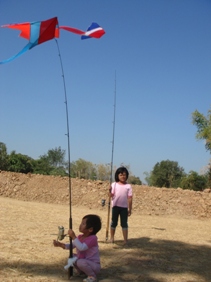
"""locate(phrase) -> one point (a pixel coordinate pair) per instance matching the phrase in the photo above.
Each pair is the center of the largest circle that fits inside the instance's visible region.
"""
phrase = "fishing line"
(70, 269)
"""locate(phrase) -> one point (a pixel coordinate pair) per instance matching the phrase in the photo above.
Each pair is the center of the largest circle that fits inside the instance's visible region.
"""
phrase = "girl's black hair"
(93, 221)
(121, 170)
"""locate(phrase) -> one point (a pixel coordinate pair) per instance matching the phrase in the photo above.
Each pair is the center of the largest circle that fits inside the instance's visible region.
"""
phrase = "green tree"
(208, 175)
(166, 174)
(56, 157)
(42, 166)
(194, 181)
(132, 179)
(103, 172)
(82, 169)
(3, 157)
(148, 178)
(20, 163)
(52, 163)
(203, 124)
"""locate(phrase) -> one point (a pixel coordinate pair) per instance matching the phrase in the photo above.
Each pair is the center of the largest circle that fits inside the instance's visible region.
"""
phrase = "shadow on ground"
(143, 260)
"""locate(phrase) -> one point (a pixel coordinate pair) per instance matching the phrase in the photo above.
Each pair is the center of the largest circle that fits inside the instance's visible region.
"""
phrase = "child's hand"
(71, 233)
(56, 243)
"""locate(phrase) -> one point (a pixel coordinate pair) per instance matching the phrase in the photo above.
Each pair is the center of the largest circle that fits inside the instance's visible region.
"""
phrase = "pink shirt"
(87, 248)
(120, 194)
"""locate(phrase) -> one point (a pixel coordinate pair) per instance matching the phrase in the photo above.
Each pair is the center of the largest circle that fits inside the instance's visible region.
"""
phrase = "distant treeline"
(54, 163)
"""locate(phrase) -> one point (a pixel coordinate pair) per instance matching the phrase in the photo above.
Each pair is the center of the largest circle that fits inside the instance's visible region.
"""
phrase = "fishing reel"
(60, 235)
(103, 202)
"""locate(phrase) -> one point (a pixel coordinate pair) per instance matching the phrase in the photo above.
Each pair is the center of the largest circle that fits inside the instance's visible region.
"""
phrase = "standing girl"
(121, 194)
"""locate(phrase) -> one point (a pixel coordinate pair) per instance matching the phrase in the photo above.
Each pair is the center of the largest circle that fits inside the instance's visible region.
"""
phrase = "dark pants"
(123, 213)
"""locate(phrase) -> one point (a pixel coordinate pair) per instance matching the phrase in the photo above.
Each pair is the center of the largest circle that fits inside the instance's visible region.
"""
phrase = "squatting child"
(87, 258)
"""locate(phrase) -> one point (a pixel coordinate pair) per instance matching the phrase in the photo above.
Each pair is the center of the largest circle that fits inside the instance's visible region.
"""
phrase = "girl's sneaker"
(90, 279)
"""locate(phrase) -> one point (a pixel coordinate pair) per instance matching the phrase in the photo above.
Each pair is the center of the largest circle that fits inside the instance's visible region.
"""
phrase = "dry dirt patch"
(162, 248)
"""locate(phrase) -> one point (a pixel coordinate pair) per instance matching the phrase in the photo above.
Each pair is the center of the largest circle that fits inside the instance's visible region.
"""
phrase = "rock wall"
(146, 200)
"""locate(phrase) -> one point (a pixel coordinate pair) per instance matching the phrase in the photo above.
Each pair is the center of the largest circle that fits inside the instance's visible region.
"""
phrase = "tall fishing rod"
(70, 269)
(112, 156)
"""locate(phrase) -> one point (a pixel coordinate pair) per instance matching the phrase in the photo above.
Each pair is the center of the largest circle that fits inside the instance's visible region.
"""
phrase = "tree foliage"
(82, 169)
(87, 170)
(194, 181)
(20, 163)
(203, 124)
(52, 163)
(148, 178)
(103, 172)
(166, 174)
(132, 179)
(208, 175)
(42, 166)
(3, 157)
(56, 157)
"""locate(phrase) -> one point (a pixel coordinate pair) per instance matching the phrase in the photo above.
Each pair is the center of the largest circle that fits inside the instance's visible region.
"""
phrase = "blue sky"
(160, 51)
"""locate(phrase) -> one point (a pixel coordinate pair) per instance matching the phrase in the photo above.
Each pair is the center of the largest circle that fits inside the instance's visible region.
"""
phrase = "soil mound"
(146, 201)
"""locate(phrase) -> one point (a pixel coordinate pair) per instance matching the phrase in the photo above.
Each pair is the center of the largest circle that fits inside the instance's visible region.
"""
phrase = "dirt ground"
(169, 231)
(162, 248)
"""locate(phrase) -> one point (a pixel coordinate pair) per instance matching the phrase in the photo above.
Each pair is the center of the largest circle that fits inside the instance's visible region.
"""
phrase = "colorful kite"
(40, 32)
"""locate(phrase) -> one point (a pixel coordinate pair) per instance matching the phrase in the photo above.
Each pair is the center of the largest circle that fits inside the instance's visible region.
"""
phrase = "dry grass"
(162, 249)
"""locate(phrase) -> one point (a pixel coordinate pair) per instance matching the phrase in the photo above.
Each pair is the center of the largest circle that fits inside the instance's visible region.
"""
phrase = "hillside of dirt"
(146, 201)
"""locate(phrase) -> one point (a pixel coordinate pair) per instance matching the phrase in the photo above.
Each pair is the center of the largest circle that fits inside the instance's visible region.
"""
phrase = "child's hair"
(121, 169)
(93, 221)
